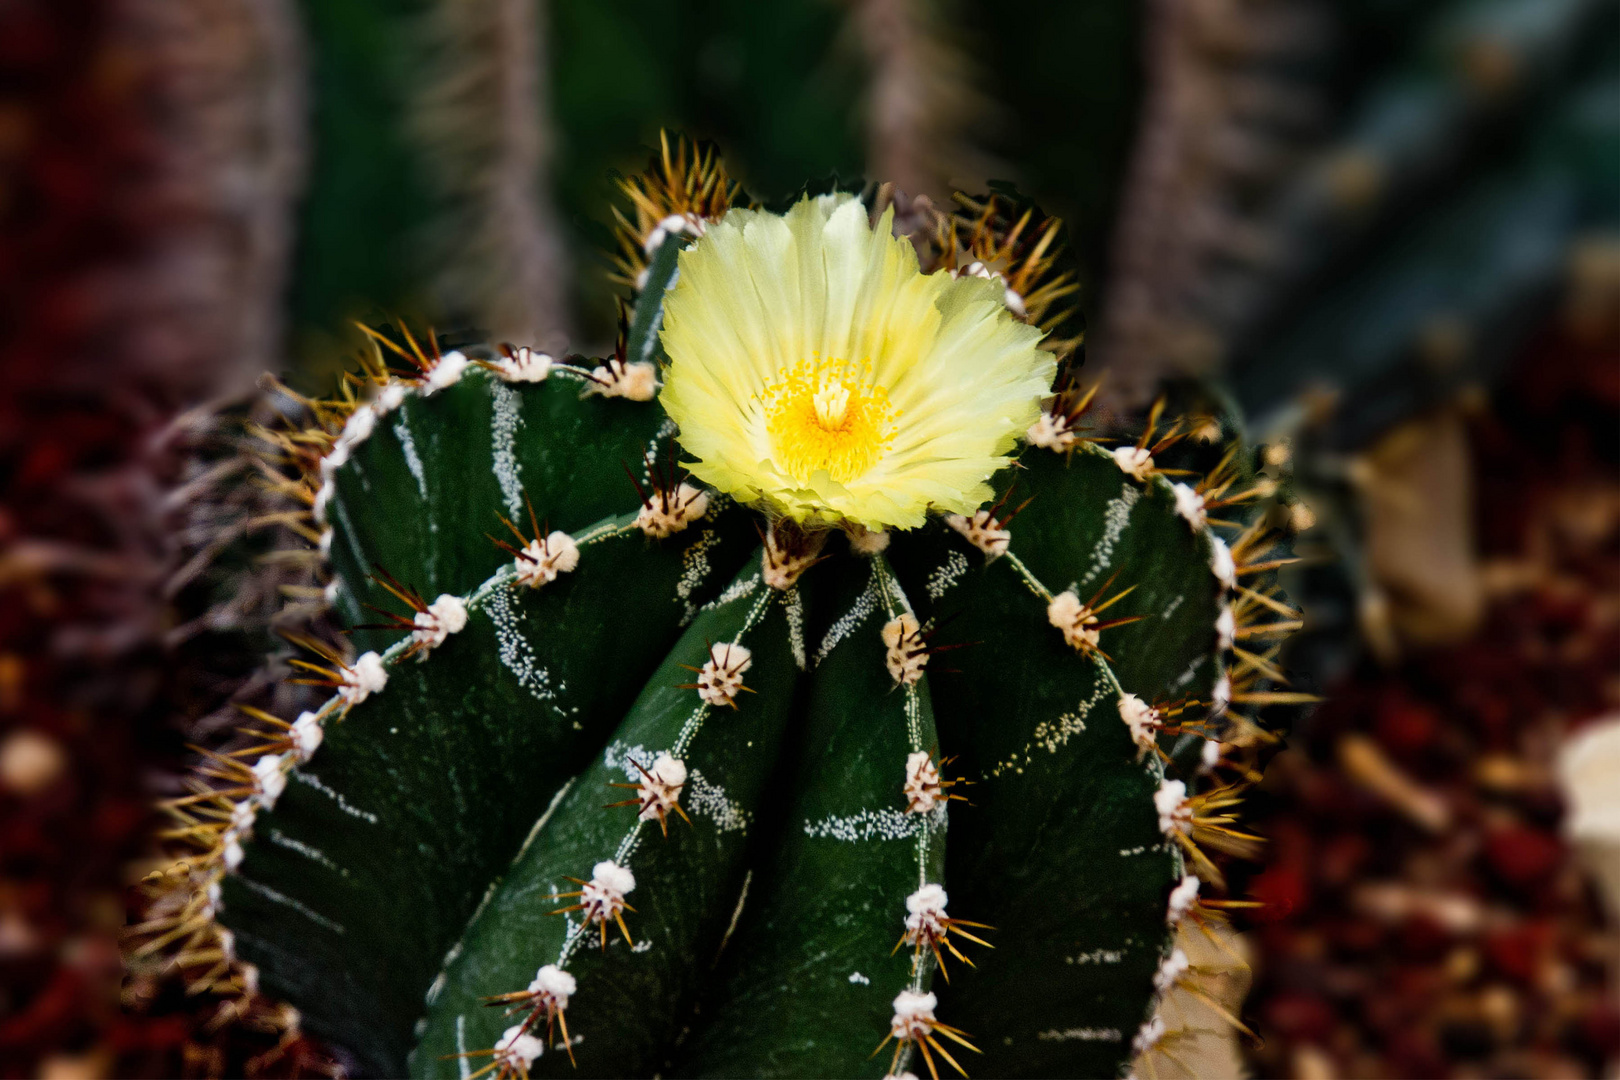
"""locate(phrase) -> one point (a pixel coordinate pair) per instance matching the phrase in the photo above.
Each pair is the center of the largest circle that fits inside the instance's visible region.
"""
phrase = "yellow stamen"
(825, 415)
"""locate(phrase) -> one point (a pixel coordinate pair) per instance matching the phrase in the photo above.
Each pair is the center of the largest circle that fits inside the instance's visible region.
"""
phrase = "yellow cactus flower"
(815, 369)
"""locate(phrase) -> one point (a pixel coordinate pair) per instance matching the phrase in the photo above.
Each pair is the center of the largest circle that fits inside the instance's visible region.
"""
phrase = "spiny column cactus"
(667, 672)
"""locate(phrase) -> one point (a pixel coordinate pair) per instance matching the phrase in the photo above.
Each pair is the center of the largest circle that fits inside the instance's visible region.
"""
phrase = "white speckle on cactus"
(847, 623)
(305, 736)
(504, 421)
(1148, 1036)
(524, 365)
(712, 801)
(552, 987)
(740, 589)
(982, 531)
(231, 854)
(660, 788)
(227, 944)
(636, 381)
(721, 678)
(445, 616)
(515, 1051)
(446, 372)
(1116, 519)
(668, 512)
(250, 979)
(867, 825)
(1077, 622)
(329, 594)
(906, 654)
(794, 610)
(1221, 564)
(1175, 812)
(269, 779)
(542, 561)
(1171, 969)
(1143, 720)
(922, 787)
(1190, 505)
(1079, 1034)
(695, 569)
(864, 541)
(1182, 898)
(947, 574)
(392, 397)
(213, 900)
(623, 757)
(337, 797)
(1225, 627)
(1222, 696)
(325, 544)
(1134, 461)
(1053, 735)
(242, 816)
(1099, 956)
(1051, 433)
(366, 677)
(517, 652)
(1210, 756)
(857, 979)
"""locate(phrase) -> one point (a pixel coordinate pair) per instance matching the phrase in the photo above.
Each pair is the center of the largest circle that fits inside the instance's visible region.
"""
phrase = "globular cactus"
(637, 769)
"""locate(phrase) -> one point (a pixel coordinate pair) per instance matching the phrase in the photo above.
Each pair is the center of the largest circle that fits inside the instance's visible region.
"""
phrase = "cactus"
(635, 761)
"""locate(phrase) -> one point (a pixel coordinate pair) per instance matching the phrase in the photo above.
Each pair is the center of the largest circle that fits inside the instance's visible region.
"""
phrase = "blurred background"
(1386, 232)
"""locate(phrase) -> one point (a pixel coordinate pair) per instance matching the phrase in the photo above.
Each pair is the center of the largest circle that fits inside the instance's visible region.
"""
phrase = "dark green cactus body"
(806, 981)
(443, 489)
(383, 846)
(413, 865)
(1139, 535)
(686, 882)
(1066, 874)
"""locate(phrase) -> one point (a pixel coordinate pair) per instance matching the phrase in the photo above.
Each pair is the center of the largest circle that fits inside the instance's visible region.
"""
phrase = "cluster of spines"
(992, 236)
(683, 189)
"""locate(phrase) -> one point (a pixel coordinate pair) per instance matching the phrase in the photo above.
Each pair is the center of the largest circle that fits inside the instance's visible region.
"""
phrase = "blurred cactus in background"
(1355, 214)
